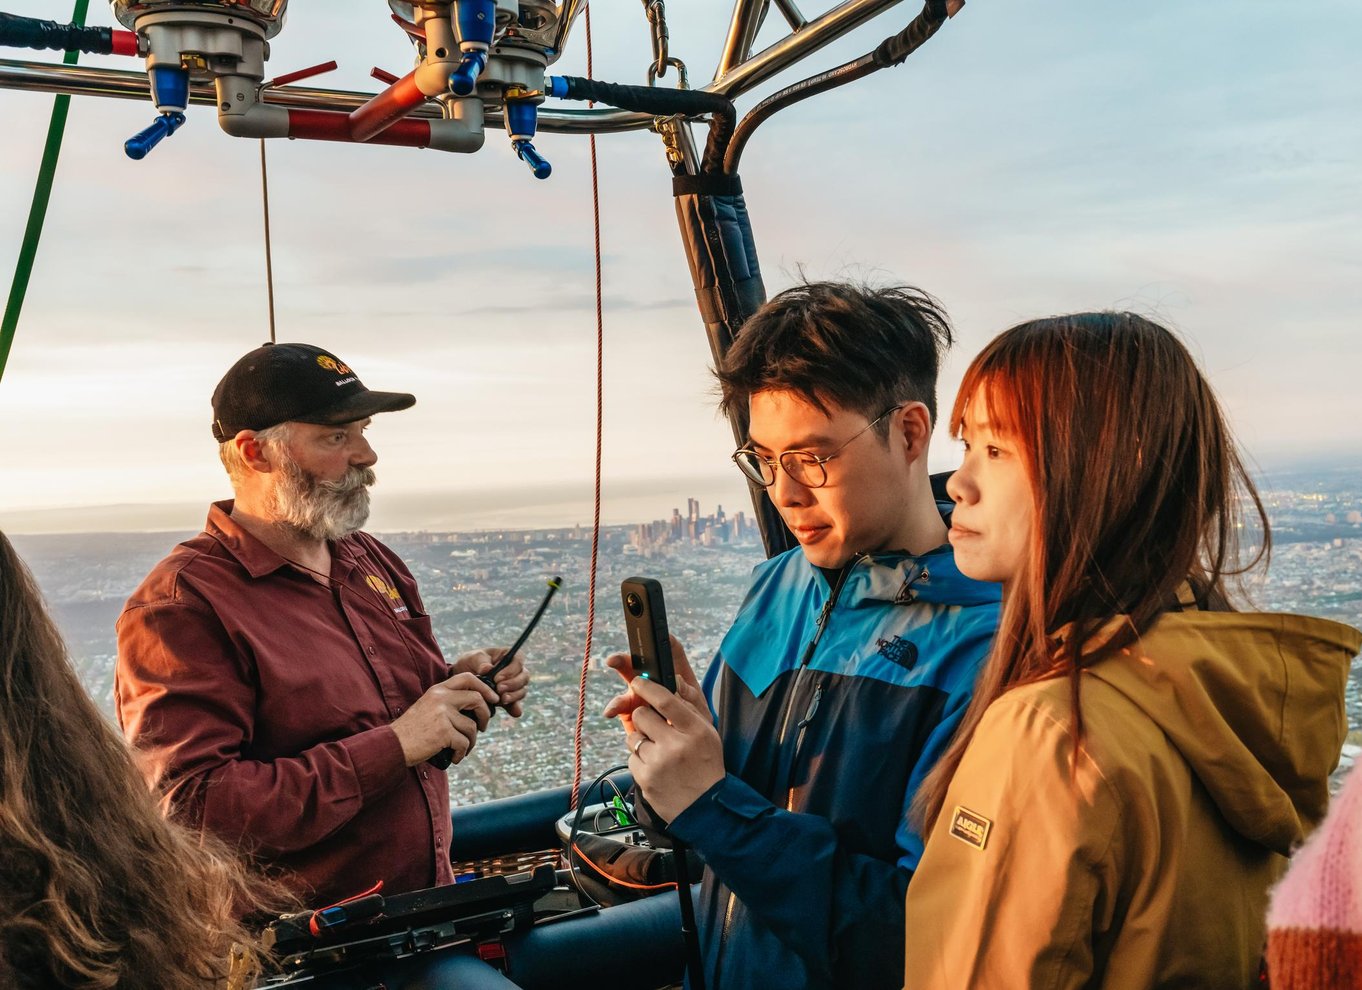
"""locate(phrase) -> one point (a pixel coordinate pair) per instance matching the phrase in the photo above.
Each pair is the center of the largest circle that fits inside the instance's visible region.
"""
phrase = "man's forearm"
(280, 806)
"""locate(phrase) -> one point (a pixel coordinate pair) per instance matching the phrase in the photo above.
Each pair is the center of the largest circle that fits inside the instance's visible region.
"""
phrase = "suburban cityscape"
(481, 587)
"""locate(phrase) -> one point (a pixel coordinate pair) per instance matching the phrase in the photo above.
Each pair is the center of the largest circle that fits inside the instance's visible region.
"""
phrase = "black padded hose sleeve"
(893, 50)
(665, 102)
(802, 90)
(30, 32)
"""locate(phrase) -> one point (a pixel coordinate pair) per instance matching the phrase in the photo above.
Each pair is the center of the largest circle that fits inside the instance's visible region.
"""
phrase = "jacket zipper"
(824, 615)
(802, 726)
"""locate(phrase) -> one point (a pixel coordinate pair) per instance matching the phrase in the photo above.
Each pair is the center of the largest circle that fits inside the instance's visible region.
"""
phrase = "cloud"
(580, 302)
(1032, 158)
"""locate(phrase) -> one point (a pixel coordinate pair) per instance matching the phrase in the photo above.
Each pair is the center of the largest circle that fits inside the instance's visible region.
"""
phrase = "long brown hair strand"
(1138, 491)
(97, 890)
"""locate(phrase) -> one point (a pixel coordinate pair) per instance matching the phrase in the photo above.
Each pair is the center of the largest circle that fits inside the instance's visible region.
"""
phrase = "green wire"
(37, 213)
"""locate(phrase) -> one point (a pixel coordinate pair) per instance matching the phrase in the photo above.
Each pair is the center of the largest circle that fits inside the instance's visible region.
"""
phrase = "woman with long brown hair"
(96, 888)
(1138, 759)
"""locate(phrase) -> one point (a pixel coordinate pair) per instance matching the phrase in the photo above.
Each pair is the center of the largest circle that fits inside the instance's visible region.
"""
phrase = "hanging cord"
(596, 520)
(37, 212)
(269, 255)
(892, 51)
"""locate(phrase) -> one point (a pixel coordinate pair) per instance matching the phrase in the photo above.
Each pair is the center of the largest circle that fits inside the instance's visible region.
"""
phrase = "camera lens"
(634, 604)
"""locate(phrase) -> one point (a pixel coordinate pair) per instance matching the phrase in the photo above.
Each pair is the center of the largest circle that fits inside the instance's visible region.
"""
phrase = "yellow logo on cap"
(331, 364)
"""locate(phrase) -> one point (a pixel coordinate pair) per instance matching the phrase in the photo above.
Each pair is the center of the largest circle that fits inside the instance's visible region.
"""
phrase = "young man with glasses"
(848, 666)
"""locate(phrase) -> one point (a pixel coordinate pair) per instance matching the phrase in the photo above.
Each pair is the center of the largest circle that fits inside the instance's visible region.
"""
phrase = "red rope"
(596, 523)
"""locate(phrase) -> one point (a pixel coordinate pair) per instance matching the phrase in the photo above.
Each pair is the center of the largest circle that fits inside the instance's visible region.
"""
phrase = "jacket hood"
(1255, 704)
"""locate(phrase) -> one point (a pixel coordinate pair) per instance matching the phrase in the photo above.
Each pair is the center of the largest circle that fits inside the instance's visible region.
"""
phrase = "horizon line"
(469, 511)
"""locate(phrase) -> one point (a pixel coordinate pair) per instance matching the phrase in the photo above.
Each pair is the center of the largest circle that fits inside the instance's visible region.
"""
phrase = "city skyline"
(479, 586)
(491, 510)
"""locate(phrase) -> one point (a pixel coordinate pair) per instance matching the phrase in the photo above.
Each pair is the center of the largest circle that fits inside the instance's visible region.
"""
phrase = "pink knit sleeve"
(1315, 920)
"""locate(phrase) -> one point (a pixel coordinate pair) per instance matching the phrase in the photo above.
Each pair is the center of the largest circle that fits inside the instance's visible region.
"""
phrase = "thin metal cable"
(596, 523)
(269, 256)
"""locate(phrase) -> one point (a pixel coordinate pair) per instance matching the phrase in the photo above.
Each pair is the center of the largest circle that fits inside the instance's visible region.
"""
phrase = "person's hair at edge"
(859, 347)
(96, 888)
(1138, 488)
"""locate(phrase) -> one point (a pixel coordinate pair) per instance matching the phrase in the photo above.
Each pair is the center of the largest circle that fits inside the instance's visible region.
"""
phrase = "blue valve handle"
(464, 79)
(161, 128)
(169, 87)
(476, 21)
(538, 164)
(522, 119)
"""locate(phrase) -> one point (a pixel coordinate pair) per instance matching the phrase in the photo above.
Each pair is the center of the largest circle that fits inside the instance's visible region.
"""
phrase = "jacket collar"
(903, 578)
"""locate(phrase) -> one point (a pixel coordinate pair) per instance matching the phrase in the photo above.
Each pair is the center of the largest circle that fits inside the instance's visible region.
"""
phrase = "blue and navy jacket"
(833, 704)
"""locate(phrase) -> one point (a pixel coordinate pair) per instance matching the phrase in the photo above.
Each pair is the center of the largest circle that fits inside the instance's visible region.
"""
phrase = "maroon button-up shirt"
(262, 701)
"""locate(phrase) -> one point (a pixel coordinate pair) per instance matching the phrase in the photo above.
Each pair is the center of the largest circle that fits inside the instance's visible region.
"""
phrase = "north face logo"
(899, 651)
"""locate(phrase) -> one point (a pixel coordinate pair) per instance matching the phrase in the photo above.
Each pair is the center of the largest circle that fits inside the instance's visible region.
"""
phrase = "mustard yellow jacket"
(1205, 759)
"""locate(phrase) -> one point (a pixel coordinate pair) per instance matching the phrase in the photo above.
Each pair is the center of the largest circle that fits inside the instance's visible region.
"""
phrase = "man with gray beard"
(278, 672)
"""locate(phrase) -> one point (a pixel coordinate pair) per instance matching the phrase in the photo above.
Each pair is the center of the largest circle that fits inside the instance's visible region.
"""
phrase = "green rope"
(38, 211)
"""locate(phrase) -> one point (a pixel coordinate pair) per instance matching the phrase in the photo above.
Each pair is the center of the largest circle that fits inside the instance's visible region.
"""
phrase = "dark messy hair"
(97, 890)
(841, 343)
(1138, 489)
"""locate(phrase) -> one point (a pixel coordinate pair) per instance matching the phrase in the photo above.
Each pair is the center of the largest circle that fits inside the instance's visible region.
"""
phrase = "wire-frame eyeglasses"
(803, 466)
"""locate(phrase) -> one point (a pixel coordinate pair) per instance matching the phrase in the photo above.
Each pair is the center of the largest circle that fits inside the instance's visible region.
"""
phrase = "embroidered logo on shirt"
(387, 591)
(970, 827)
(899, 651)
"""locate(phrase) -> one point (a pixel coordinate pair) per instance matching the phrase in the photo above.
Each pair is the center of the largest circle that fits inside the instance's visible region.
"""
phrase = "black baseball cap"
(279, 383)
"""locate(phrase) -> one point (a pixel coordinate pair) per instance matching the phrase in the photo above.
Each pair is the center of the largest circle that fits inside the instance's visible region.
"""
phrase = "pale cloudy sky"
(1195, 161)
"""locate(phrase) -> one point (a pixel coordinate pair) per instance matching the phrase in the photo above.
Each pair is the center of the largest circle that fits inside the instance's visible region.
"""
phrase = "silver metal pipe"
(80, 80)
(567, 14)
(42, 77)
(77, 80)
(742, 33)
(817, 33)
(793, 16)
